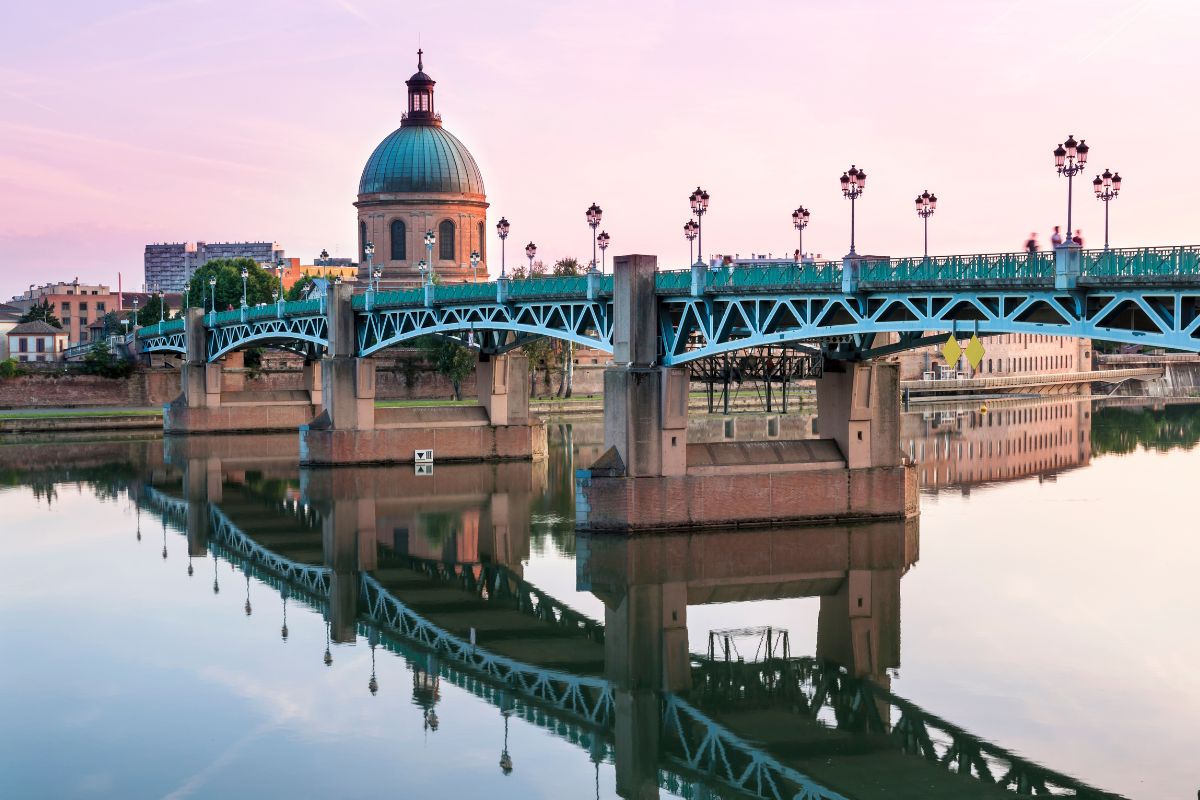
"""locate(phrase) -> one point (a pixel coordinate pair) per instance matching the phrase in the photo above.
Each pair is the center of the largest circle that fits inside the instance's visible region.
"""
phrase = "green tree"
(101, 361)
(151, 312)
(563, 267)
(41, 311)
(112, 324)
(260, 284)
(297, 289)
(448, 358)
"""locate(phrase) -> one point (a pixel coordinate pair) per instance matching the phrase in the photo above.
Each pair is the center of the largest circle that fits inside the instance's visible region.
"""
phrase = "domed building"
(420, 179)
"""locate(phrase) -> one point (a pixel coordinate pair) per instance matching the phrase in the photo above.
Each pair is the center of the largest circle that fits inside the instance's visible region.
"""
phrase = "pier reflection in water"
(443, 571)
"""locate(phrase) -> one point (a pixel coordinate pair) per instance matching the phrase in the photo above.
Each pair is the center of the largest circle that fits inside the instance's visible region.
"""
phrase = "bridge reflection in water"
(429, 568)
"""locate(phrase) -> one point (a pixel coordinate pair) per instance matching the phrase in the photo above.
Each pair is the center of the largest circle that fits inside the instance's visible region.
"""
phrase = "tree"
(297, 289)
(539, 352)
(41, 311)
(260, 284)
(563, 267)
(101, 361)
(448, 358)
(151, 312)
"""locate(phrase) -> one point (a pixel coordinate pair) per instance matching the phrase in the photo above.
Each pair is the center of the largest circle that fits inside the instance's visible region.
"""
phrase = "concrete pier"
(650, 478)
(212, 399)
(351, 430)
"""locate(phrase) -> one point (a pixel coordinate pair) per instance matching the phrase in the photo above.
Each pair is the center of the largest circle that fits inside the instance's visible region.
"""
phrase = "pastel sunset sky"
(124, 122)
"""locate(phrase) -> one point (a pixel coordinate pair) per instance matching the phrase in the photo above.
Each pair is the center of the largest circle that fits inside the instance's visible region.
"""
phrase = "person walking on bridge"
(1031, 245)
(1056, 238)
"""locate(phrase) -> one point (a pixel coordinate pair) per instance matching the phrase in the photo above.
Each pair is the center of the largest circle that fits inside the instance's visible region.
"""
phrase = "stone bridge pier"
(650, 477)
(214, 399)
(351, 430)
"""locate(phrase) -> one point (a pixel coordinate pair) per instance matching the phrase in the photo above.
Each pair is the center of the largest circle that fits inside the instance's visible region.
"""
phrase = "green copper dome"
(421, 158)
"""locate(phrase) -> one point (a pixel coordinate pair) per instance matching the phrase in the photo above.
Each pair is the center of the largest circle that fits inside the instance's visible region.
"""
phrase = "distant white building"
(36, 341)
(170, 265)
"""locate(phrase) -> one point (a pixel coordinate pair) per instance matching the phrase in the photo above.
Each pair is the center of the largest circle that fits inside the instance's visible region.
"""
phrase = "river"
(198, 617)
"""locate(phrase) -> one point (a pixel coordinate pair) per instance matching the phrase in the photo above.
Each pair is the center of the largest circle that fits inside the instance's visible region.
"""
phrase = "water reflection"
(431, 569)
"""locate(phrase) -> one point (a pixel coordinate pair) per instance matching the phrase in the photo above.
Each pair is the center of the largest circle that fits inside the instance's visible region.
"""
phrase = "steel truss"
(770, 366)
(699, 327)
(175, 342)
(306, 335)
(585, 322)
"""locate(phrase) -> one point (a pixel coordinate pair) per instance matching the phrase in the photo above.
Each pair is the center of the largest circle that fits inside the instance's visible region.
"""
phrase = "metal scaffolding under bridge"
(770, 370)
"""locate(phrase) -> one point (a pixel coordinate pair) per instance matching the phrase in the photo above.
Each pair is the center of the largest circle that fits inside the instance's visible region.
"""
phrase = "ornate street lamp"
(376, 277)
(134, 321)
(429, 240)
(212, 285)
(280, 270)
(1107, 187)
(602, 240)
(424, 269)
(1070, 157)
(162, 308)
(594, 214)
(530, 252)
(699, 202)
(800, 222)
(690, 231)
(369, 251)
(854, 183)
(502, 230)
(475, 259)
(245, 275)
(926, 205)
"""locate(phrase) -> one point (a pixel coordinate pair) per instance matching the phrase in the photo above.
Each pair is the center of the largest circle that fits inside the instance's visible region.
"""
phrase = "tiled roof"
(37, 326)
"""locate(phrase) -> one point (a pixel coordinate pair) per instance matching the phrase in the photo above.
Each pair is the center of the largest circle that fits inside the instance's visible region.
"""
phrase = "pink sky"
(123, 123)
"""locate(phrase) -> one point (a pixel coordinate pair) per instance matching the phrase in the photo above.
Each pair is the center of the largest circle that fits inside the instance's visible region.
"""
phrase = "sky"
(128, 122)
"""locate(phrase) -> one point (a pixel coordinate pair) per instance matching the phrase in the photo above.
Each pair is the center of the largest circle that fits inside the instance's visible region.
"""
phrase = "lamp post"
(475, 259)
(854, 183)
(800, 222)
(530, 252)
(602, 240)
(162, 307)
(212, 286)
(186, 291)
(279, 269)
(699, 201)
(245, 275)
(369, 251)
(502, 230)
(377, 277)
(926, 205)
(429, 240)
(594, 214)
(134, 320)
(690, 231)
(1107, 187)
(424, 270)
(1070, 157)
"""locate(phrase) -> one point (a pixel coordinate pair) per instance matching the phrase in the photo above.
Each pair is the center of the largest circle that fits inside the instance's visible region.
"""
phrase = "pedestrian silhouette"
(1056, 238)
(1031, 245)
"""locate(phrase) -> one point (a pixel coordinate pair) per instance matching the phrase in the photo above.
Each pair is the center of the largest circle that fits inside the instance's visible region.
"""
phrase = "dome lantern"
(420, 97)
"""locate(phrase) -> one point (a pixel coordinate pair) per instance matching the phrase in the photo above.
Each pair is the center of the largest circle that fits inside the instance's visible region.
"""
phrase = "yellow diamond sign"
(974, 352)
(951, 351)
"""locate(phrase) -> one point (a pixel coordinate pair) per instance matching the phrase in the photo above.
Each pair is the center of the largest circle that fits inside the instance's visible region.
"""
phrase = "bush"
(101, 361)
(9, 368)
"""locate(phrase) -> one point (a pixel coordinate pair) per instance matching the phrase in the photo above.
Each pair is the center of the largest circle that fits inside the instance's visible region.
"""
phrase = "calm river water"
(199, 618)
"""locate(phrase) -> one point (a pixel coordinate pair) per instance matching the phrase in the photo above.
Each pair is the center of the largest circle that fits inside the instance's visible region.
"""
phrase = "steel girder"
(697, 327)
(165, 343)
(301, 334)
(582, 321)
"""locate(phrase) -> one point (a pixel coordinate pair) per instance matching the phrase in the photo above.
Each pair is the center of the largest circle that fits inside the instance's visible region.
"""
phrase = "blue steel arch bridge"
(1148, 296)
(698, 755)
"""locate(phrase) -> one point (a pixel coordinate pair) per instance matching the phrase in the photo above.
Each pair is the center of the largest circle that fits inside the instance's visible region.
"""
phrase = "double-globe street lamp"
(699, 202)
(690, 231)
(926, 205)
(800, 222)
(429, 240)
(245, 275)
(602, 240)
(475, 259)
(212, 286)
(594, 215)
(530, 252)
(1070, 157)
(1107, 187)
(502, 228)
(854, 183)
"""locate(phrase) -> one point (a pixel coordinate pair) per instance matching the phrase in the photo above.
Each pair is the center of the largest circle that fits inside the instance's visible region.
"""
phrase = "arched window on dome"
(446, 240)
(482, 243)
(362, 240)
(399, 236)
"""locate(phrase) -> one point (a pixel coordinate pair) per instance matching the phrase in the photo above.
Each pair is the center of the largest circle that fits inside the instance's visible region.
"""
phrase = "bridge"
(853, 314)
(775, 729)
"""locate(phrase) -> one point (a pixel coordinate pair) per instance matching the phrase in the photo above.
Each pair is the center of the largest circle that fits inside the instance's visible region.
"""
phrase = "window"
(83, 309)
(66, 308)
(399, 240)
(446, 240)
(99, 306)
(362, 241)
(40, 344)
(482, 247)
(22, 345)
